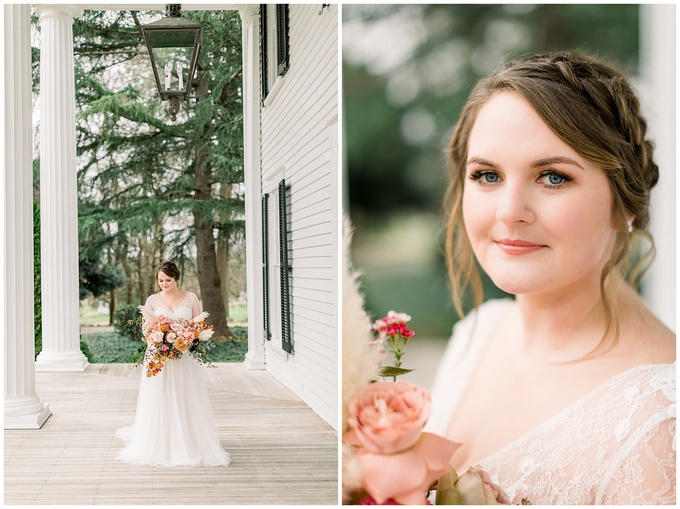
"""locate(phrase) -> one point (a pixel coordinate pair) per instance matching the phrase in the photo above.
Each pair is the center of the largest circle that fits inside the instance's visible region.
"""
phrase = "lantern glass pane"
(173, 67)
(172, 38)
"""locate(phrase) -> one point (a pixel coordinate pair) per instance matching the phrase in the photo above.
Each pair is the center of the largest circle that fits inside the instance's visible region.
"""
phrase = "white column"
(251, 160)
(23, 408)
(658, 68)
(58, 196)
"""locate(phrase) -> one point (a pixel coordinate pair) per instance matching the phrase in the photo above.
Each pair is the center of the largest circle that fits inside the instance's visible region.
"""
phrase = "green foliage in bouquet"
(387, 371)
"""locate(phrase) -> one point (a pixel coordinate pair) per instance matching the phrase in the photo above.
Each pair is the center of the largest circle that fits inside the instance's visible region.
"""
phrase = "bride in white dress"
(174, 420)
(566, 394)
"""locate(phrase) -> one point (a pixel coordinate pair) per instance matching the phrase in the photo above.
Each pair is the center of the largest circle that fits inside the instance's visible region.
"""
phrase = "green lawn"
(89, 316)
(238, 313)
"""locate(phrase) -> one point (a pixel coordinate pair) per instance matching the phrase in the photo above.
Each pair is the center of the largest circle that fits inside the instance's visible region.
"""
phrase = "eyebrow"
(537, 164)
(556, 160)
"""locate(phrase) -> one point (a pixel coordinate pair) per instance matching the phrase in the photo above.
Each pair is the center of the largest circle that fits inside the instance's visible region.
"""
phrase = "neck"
(563, 326)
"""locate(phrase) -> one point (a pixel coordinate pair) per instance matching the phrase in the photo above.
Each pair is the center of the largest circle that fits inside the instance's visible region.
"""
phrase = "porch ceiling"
(159, 7)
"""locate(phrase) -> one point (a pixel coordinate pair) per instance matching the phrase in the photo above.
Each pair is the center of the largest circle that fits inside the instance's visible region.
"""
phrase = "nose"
(514, 205)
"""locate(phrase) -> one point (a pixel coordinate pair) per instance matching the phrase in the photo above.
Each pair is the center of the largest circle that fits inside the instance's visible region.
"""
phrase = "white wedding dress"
(615, 445)
(174, 420)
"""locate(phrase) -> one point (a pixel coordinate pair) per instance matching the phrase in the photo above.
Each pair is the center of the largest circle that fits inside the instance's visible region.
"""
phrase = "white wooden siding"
(296, 144)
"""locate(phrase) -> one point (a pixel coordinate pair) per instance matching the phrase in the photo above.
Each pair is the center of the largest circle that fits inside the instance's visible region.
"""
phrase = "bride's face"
(167, 283)
(537, 214)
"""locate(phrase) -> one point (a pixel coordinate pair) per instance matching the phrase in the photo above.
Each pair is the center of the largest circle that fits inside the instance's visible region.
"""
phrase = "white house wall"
(298, 142)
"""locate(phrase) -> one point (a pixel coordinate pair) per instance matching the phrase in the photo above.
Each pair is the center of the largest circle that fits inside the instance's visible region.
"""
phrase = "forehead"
(507, 127)
(163, 275)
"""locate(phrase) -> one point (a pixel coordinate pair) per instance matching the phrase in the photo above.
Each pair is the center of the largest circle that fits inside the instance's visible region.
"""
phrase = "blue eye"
(485, 177)
(554, 179)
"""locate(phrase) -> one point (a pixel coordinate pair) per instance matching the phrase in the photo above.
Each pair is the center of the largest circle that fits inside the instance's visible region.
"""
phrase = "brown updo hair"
(592, 108)
(169, 269)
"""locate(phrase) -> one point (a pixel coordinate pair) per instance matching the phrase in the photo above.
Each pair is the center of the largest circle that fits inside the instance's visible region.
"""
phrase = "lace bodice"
(615, 445)
(187, 309)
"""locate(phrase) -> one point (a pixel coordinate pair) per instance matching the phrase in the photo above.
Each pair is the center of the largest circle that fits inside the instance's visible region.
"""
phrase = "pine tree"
(151, 183)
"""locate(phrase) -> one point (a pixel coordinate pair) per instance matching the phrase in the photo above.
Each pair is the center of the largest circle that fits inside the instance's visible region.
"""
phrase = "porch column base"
(67, 361)
(254, 361)
(25, 412)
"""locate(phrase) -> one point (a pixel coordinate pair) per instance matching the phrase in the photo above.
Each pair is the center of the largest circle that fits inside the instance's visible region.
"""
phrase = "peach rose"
(155, 338)
(388, 417)
(397, 461)
(406, 476)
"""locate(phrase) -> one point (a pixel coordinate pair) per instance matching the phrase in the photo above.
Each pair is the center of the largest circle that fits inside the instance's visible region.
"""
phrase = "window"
(265, 265)
(274, 44)
(285, 268)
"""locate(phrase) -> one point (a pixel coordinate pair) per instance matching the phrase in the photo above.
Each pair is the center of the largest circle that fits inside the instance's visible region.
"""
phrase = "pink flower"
(398, 317)
(397, 460)
(155, 337)
(389, 417)
(391, 325)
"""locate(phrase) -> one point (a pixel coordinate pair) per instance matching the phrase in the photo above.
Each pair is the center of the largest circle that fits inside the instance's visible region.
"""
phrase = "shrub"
(110, 347)
(37, 287)
(86, 351)
(121, 318)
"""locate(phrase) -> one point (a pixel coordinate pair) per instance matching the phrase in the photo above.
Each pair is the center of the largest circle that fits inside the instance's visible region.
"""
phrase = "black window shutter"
(263, 50)
(265, 265)
(282, 42)
(286, 330)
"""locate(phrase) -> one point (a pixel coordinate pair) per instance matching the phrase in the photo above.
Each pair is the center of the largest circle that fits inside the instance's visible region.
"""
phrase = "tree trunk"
(208, 275)
(223, 266)
(112, 306)
(140, 274)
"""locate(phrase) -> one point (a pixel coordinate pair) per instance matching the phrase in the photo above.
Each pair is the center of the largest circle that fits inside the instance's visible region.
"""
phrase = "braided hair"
(169, 269)
(593, 108)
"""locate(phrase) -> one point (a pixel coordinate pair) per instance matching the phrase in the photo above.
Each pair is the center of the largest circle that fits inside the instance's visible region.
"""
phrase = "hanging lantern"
(174, 44)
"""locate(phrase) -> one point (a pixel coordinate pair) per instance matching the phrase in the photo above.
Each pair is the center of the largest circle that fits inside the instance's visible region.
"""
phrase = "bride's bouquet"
(387, 458)
(168, 339)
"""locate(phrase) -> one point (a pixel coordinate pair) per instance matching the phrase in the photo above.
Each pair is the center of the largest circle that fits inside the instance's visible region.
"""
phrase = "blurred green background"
(407, 71)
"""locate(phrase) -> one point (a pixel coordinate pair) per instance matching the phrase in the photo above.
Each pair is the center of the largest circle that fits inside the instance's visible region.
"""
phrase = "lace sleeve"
(646, 471)
(196, 307)
(150, 303)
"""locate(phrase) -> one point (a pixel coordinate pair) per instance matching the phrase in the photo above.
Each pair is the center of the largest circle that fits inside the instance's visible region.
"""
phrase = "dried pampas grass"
(360, 358)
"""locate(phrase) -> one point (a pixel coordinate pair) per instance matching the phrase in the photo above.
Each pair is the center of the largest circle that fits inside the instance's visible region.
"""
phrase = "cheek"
(479, 214)
(581, 224)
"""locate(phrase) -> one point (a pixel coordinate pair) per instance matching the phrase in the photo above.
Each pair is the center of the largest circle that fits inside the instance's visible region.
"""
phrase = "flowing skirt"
(174, 421)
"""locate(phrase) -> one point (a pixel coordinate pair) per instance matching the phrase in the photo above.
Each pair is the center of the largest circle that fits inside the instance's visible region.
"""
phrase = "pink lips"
(517, 247)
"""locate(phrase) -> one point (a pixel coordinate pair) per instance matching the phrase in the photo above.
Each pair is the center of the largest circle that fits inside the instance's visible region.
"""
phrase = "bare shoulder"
(663, 342)
(648, 336)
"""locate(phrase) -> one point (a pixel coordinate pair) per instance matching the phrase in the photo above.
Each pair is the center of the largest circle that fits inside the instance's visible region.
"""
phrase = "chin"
(517, 282)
